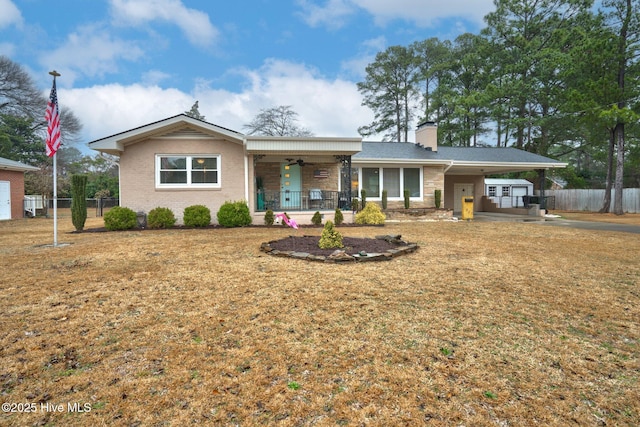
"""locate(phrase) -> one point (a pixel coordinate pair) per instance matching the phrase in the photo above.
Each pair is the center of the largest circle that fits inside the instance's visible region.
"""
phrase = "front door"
(290, 186)
(460, 191)
(5, 200)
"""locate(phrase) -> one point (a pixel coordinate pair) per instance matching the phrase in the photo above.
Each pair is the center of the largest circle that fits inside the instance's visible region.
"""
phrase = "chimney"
(427, 135)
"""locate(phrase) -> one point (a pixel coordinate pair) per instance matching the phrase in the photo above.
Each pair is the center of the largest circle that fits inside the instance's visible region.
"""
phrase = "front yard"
(486, 324)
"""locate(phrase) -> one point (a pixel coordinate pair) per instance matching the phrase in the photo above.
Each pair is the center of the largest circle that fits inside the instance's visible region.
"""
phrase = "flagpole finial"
(54, 73)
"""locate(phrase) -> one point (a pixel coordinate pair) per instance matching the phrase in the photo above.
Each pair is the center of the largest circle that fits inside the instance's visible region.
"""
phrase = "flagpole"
(55, 74)
(55, 200)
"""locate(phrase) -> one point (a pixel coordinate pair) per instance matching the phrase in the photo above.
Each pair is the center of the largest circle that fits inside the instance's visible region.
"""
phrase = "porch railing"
(313, 200)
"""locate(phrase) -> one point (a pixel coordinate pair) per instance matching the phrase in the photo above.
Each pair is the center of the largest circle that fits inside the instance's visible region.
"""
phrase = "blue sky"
(125, 63)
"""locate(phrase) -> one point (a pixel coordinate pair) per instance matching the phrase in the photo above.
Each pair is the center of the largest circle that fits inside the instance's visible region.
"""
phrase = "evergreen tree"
(79, 201)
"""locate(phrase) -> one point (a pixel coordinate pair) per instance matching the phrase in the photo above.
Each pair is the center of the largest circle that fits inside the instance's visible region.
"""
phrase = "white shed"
(507, 193)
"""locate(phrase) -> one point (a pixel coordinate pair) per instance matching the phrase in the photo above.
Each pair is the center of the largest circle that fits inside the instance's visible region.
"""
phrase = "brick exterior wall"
(137, 175)
(16, 185)
(270, 174)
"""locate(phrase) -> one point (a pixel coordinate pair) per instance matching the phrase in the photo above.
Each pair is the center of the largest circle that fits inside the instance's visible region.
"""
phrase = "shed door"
(516, 195)
(460, 191)
(5, 200)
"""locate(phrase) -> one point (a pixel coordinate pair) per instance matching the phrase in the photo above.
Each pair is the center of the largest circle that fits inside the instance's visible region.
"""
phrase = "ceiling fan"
(299, 162)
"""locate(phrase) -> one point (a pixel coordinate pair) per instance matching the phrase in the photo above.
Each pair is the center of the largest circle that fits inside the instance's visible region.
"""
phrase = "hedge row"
(231, 214)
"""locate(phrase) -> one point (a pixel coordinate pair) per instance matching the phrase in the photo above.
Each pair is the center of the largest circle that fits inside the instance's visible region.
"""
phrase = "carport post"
(541, 174)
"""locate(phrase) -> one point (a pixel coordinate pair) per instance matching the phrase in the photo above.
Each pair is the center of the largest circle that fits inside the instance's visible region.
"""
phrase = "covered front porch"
(302, 175)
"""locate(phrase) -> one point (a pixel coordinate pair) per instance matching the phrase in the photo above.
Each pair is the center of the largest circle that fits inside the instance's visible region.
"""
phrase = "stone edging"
(339, 255)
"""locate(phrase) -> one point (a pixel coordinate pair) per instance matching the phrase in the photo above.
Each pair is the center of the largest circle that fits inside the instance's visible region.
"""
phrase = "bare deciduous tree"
(276, 121)
(20, 97)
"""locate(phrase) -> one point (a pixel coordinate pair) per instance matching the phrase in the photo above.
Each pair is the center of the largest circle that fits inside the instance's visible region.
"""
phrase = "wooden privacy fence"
(591, 200)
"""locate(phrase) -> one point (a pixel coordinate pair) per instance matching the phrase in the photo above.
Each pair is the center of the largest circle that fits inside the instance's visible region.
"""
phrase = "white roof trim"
(115, 144)
(12, 165)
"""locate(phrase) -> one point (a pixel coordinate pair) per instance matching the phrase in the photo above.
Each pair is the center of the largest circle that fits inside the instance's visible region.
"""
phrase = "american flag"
(53, 123)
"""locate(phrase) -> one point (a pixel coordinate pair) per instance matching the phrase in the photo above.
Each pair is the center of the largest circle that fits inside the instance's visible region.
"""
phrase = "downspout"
(448, 167)
(444, 173)
(246, 175)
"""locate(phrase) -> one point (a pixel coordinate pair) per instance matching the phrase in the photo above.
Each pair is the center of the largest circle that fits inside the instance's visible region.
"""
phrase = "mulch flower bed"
(380, 248)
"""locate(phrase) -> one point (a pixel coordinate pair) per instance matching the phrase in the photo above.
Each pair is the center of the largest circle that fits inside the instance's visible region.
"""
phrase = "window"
(391, 181)
(412, 181)
(394, 180)
(492, 191)
(175, 171)
(371, 181)
(505, 191)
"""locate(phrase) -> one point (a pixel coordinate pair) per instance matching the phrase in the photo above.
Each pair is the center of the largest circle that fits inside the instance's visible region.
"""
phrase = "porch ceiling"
(294, 157)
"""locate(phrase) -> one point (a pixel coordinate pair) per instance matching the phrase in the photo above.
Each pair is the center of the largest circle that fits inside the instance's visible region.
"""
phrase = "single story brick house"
(12, 188)
(182, 161)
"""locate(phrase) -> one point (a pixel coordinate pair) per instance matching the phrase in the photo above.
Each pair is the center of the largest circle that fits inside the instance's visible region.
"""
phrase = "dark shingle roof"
(411, 151)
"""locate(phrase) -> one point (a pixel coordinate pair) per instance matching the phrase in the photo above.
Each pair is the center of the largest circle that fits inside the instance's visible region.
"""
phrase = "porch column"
(345, 175)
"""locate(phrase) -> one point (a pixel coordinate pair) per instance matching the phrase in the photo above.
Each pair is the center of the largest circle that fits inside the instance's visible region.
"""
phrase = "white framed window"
(187, 171)
(393, 179)
(371, 182)
(492, 191)
(505, 191)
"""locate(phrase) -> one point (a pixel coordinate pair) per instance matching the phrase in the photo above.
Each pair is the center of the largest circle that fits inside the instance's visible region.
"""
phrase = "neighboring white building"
(507, 193)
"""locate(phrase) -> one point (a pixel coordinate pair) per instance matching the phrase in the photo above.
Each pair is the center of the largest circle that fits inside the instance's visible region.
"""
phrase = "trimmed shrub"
(120, 218)
(197, 216)
(406, 199)
(234, 214)
(370, 215)
(363, 197)
(282, 223)
(316, 219)
(384, 199)
(330, 238)
(269, 217)
(161, 218)
(437, 194)
(78, 201)
(338, 218)
(355, 204)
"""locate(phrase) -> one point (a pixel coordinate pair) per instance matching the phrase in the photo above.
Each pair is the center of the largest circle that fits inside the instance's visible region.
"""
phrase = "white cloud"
(90, 51)
(7, 49)
(10, 14)
(421, 12)
(109, 109)
(356, 67)
(194, 24)
(328, 107)
(154, 77)
(333, 15)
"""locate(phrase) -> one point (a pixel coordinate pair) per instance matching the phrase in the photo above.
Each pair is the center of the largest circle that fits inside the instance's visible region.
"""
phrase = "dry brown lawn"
(486, 324)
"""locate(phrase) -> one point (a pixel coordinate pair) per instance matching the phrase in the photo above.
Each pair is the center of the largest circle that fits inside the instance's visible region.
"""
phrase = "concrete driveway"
(557, 222)
(591, 225)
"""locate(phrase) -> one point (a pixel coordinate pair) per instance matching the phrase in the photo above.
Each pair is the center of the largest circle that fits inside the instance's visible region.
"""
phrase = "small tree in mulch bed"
(330, 238)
